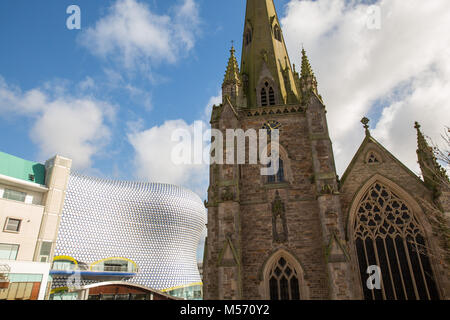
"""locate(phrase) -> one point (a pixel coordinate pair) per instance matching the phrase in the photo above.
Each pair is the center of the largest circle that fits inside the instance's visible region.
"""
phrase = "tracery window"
(372, 158)
(388, 235)
(267, 89)
(284, 281)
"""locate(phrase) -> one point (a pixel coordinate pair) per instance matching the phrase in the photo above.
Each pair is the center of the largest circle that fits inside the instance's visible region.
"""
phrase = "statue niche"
(279, 225)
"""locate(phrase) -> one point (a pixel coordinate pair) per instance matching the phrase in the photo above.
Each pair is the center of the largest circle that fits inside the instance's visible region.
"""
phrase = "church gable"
(373, 159)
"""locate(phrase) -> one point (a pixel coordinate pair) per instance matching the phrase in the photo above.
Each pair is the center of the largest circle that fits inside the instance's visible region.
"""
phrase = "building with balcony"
(68, 236)
(31, 201)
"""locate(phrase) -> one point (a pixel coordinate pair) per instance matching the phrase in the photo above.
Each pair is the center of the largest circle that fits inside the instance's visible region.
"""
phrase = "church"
(379, 232)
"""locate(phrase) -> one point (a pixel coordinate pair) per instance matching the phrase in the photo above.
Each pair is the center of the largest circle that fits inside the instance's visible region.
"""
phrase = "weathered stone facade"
(305, 219)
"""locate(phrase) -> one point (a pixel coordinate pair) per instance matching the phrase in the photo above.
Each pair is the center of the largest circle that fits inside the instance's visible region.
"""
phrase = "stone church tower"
(303, 233)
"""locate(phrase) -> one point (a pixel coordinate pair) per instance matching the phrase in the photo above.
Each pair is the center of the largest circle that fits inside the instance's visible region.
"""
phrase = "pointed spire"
(433, 174)
(308, 79)
(232, 73)
(306, 66)
(263, 49)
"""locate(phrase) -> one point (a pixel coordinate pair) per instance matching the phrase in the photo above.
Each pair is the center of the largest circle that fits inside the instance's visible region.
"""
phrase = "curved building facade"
(143, 233)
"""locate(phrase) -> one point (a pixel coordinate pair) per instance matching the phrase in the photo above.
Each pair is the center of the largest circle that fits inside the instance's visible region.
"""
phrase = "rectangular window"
(8, 251)
(46, 248)
(14, 195)
(12, 225)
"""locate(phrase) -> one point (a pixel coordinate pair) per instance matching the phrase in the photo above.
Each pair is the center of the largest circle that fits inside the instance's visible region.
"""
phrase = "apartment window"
(14, 195)
(46, 248)
(12, 225)
(8, 251)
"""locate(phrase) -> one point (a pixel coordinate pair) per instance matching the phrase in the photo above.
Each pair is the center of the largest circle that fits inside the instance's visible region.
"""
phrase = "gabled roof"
(369, 139)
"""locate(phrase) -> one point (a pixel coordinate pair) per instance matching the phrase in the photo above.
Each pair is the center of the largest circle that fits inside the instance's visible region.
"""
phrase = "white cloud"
(398, 73)
(135, 36)
(153, 157)
(215, 100)
(65, 125)
(153, 152)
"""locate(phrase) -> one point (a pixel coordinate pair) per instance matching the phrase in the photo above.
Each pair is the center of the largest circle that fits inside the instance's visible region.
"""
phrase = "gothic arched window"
(387, 234)
(267, 95)
(277, 33)
(284, 281)
(271, 97)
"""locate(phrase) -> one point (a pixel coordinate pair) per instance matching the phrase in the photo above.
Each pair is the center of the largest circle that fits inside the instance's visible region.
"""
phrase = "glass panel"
(46, 247)
(427, 268)
(14, 195)
(263, 97)
(28, 290)
(20, 294)
(271, 97)
(273, 284)
(372, 262)
(12, 291)
(395, 269)
(363, 267)
(63, 265)
(23, 277)
(420, 283)
(8, 251)
(280, 174)
(295, 290)
(116, 265)
(407, 280)
(284, 288)
(3, 294)
(386, 277)
(13, 225)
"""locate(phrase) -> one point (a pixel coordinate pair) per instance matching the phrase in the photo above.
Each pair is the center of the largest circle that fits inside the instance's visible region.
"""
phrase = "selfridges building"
(142, 233)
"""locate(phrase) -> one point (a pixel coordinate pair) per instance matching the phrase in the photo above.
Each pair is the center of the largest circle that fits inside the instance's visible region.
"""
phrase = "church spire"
(265, 62)
(232, 84)
(308, 80)
(433, 174)
(232, 72)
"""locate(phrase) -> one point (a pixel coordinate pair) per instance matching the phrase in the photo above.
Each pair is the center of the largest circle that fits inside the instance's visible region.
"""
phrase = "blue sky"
(109, 95)
(38, 49)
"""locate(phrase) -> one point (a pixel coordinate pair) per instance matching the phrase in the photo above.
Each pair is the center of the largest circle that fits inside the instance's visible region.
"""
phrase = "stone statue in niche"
(228, 194)
(279, 225)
